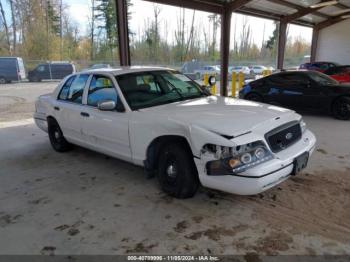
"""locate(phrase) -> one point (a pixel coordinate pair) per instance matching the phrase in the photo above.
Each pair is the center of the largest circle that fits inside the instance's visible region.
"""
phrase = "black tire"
(2, 80)
(254, 97)
(34, 79)
(341, 108)
(57, 140)
(177, 173)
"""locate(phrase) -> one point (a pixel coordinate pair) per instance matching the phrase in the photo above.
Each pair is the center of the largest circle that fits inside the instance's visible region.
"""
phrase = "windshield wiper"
(174, 88)
(193, 97)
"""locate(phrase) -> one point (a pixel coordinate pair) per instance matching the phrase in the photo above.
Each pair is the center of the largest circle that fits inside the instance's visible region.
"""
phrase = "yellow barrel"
(213, 88)
(240, 80)
(233, 84)
(206, 79)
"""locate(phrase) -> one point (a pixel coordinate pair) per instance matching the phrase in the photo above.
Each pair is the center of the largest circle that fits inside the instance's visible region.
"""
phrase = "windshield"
(147, 89)
(322, 78)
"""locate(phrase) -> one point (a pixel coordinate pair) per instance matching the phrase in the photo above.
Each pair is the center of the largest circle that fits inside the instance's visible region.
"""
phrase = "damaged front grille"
(283, 136)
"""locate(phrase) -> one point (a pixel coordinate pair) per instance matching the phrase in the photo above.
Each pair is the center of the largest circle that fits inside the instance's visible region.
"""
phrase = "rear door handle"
(84, 114)
(57, 108)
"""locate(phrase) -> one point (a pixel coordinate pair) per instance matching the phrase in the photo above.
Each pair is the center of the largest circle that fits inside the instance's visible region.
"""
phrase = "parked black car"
(11, 69)
(50, 71)
(301, 90)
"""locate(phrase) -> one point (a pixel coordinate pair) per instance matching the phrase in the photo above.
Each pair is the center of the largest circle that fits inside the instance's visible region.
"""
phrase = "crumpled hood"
(222, 115)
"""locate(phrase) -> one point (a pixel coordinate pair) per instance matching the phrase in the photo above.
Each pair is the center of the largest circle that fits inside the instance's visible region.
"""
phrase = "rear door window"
(73, 89)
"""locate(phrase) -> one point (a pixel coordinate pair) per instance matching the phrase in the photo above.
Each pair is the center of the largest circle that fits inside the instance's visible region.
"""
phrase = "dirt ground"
(83, 202)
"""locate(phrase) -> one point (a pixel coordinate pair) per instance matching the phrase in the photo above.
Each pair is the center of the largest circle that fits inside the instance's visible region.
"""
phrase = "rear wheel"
(254, 97)
(177, 173)
(2, 80)
(34, 79)
(57, 140)
(341, 108)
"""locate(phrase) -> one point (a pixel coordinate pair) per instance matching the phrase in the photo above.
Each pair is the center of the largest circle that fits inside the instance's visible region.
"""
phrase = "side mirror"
(212, 80)
(109, 105)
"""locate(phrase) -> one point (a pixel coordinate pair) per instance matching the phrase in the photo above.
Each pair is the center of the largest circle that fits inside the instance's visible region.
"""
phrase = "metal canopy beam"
(314, 43)
(225, 50)
(267, 15)
(205, 6)
(297, 7)
(331, 21)
(123, 34)
(226, 16)
(342, 6)
(233, 6)
(300, 13)
(282, 29)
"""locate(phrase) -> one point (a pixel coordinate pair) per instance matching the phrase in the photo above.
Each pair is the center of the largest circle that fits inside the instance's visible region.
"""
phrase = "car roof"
(301, 72)
(126, 70)
(341, 66)
(323, 62)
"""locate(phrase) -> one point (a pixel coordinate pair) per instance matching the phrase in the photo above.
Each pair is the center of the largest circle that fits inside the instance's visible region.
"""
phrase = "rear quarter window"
(257, 84)
(65, 88)
(73, 89)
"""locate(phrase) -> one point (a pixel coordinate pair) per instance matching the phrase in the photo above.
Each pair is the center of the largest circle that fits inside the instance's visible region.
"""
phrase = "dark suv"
(50, 71)
(318, 66)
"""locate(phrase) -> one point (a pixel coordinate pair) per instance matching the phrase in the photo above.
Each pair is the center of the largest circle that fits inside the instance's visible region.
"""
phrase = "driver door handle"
(84, 114)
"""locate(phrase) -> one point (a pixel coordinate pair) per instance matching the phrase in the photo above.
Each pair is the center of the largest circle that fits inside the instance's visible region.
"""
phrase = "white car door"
(68, 107)
(106, 131)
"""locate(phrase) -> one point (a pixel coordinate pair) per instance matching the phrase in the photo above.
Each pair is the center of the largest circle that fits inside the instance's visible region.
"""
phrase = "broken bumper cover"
(262, 177)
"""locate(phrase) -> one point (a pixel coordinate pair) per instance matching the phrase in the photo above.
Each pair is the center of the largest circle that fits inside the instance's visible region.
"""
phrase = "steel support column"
(123, 32)
(225, 49)
(281, 44)
(315, 34)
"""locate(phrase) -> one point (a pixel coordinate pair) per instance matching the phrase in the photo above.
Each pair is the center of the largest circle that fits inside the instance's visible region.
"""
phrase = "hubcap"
(344, 109)
(171, 171)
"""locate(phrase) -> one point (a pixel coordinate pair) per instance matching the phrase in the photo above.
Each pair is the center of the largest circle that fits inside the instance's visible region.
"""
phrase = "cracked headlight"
(302, 126)
(230, 160)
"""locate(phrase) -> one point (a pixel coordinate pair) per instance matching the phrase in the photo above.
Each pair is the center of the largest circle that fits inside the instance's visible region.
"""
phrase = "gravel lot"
(83, 202)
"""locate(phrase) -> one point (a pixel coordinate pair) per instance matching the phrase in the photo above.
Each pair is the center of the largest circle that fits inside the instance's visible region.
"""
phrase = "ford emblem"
(289, 136)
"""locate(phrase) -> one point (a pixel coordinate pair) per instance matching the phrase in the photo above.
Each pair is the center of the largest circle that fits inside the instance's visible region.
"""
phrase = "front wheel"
(57, 140)
(254, 97)
(341, 108)
(3, 80)
(177, 173)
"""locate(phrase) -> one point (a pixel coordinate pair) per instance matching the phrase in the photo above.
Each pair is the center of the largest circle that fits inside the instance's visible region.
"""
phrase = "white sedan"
(237, 69)
(160, 119)
(258, 69)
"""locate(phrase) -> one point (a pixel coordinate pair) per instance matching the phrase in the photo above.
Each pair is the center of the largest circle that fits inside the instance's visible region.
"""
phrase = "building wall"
(334, 43)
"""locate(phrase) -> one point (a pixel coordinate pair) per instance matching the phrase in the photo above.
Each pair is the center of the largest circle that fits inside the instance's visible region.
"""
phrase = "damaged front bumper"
(261, 177)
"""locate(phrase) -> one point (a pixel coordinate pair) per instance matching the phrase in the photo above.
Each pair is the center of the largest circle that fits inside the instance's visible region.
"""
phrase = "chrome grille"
(283, 136)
